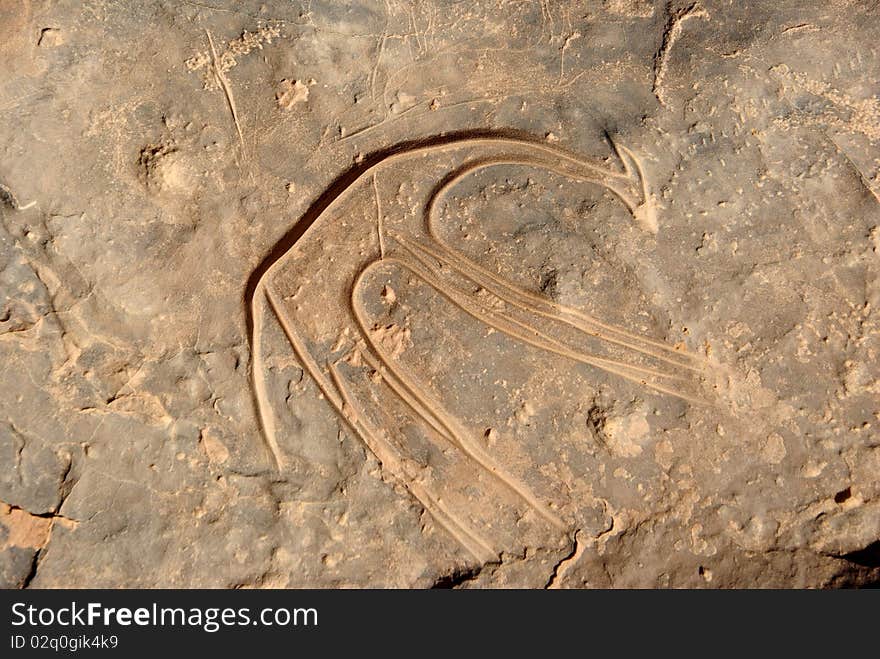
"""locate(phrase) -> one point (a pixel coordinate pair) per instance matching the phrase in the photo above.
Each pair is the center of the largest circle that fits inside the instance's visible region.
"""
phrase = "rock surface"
(607, 318)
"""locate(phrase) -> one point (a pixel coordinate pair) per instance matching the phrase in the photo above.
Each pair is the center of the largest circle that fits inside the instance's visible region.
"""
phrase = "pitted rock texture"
(428, 293)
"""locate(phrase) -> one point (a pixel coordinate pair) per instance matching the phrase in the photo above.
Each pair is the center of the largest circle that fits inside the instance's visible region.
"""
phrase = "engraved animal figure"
(383, 401)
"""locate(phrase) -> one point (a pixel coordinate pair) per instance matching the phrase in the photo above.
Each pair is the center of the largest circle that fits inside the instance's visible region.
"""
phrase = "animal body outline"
(424, 259)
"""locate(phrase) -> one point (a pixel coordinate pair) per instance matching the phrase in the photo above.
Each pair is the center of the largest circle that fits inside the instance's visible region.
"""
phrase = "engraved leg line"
(389, 458)
(459, 434)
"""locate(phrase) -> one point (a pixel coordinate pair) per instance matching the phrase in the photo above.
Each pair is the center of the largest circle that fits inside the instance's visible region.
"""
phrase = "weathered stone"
(616, 321)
